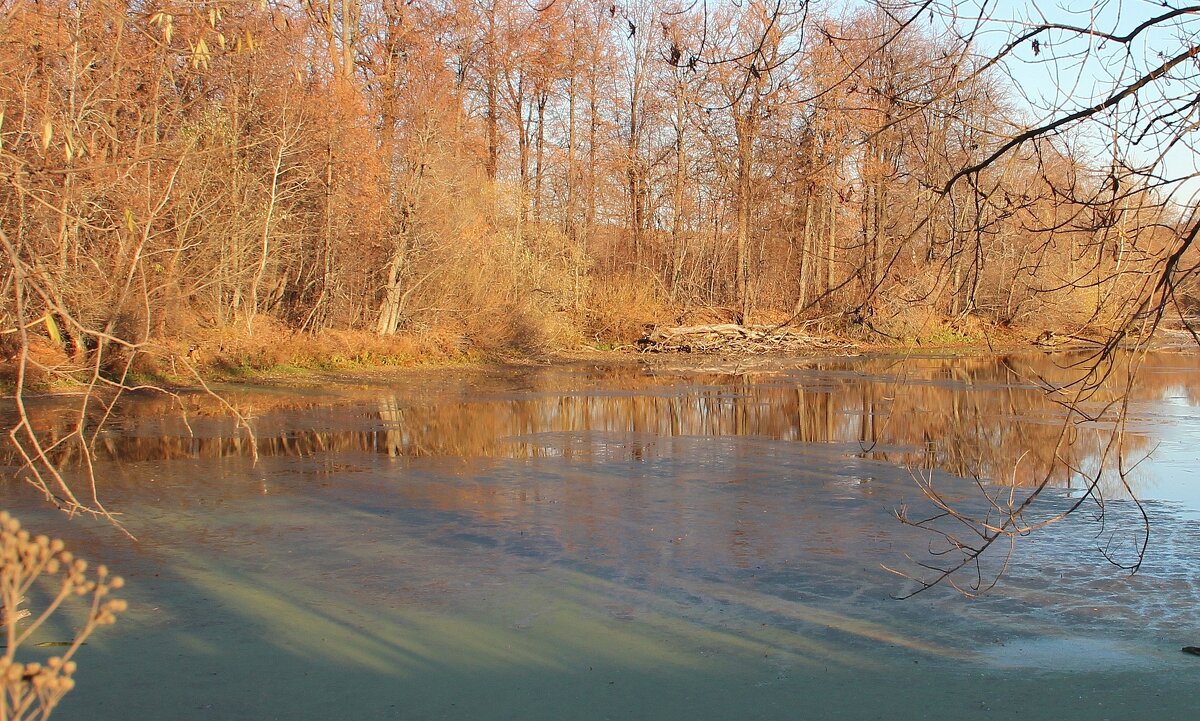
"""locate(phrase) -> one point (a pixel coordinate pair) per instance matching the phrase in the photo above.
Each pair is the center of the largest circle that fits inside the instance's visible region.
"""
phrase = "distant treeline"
(500, 173)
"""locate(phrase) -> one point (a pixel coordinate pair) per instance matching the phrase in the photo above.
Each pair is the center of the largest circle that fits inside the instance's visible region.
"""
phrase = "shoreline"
(339, 370)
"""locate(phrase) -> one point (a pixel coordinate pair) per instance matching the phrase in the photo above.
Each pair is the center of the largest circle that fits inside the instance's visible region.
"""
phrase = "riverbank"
(267, 355)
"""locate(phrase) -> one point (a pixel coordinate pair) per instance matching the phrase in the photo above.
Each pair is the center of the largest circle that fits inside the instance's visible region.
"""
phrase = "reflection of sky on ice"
(1173, 473)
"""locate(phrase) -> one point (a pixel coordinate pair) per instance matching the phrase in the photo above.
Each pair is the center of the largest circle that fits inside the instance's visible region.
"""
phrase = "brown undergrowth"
(616, 318)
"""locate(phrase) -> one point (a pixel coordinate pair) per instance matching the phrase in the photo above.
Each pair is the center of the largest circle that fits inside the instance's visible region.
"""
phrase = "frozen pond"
(618, 543)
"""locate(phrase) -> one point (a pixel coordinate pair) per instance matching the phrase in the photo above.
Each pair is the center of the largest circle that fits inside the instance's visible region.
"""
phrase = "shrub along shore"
(271, 353)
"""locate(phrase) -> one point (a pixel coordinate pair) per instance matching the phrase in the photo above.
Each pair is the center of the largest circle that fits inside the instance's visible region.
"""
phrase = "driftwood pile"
(733, 338)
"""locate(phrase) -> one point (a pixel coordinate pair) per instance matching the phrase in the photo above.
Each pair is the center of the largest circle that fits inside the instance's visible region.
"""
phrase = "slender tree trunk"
(593, 160)
(265, 237)
(678, 241)
(569, 214)
(491, 84)
(633, 182)
(831, 254)
(542, 98)
(807, 256)
(745, 139)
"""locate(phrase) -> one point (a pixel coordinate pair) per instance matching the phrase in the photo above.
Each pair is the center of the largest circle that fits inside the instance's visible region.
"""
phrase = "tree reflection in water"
(981, 416)
(972, 417)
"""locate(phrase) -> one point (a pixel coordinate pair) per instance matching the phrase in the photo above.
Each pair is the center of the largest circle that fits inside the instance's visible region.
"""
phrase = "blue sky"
(1072, 70)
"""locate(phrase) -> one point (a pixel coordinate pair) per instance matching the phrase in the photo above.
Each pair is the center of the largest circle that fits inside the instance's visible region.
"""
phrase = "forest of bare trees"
(256, 182)
(503, 174)
(197, 183)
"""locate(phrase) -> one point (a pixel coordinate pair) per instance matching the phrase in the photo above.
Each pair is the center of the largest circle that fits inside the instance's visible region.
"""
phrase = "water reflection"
(983, 416)
(564, 543)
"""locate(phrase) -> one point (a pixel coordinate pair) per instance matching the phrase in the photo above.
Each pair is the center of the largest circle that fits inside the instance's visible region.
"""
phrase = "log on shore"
(733, 338)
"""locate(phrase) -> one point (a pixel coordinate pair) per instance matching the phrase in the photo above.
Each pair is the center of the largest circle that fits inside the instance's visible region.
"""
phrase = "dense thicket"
(507, 174)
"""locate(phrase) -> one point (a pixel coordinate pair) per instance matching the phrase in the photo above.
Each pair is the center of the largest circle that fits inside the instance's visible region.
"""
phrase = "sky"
(1069, 71)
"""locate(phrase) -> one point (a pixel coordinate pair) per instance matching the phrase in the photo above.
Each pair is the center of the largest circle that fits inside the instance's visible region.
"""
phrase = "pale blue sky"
(1072, 71)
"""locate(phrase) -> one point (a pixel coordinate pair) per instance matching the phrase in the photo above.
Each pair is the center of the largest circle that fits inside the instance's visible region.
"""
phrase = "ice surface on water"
(629, 546)
(1065, 654)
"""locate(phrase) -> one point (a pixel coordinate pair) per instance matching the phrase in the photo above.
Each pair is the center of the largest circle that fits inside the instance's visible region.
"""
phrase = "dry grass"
(622, 308)
(267, 345)
(45, 362)
(336, 349)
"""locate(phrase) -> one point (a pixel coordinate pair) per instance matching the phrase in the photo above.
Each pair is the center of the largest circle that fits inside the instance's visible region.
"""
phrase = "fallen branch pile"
(733, 338)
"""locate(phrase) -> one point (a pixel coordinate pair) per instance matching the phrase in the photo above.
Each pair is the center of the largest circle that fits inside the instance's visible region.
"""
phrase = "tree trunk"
(745, 139)
(678, 243)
